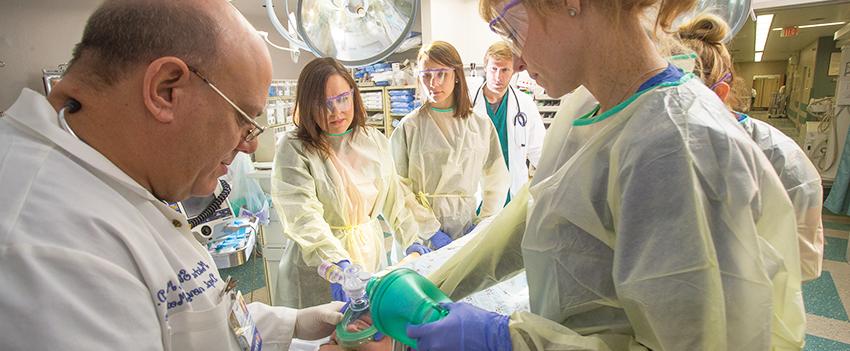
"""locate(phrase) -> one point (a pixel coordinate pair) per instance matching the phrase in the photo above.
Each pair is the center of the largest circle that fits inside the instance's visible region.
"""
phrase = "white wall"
(457, 22)
(746, 71)
(39, 34)
(34, 35)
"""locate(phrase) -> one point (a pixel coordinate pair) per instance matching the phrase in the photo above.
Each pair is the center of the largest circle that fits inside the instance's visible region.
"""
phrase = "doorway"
(766, 87)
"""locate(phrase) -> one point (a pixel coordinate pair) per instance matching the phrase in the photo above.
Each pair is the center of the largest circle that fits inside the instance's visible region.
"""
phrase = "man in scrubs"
(513, 113)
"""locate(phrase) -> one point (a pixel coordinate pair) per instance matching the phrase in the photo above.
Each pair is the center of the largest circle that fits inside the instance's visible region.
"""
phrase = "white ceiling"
(778, 48)
(257, 8)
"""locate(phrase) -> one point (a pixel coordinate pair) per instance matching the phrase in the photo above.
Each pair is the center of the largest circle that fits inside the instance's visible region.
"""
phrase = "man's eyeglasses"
(253, 132)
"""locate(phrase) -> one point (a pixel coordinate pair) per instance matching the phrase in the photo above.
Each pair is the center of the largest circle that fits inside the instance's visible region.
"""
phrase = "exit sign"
(789, 32)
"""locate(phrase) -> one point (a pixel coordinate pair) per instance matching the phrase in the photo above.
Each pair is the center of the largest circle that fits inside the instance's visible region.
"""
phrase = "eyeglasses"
(434, 76)
(514, 35)
(725, 77)
(253, 132)
(342, 102)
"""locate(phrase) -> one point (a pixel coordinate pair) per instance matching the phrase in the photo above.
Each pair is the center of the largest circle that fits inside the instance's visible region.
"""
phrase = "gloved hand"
(440, 239)
(366, 318)
(417, 247)
(467, 328)
(317, 322)
(337, 294)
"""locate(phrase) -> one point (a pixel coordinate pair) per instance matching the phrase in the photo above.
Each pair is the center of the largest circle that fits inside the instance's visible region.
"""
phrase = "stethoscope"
(519, 118)
(72, 105)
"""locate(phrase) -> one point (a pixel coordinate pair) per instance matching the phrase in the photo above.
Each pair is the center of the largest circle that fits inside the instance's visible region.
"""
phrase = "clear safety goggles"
(726, 77)
(434, 76)
(342, 103)
(512, 25)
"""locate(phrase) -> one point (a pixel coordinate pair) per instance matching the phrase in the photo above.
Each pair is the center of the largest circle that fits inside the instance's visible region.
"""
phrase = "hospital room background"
(792, 57)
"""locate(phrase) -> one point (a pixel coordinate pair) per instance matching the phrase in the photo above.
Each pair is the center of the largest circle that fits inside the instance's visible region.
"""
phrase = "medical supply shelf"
(280, 107)
(547, 106)
(381, 118)
(375, 106)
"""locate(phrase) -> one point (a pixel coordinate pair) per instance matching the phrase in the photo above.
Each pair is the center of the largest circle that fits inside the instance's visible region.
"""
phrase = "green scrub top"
(500, 121)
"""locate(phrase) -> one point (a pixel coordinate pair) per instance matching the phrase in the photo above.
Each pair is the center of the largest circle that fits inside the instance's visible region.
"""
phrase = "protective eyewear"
(725, 77)
(342, 102)
(253, 132)
(512, 25)
(434, 76)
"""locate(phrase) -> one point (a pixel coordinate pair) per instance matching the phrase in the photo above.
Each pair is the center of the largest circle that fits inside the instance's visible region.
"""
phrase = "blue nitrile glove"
(337, 294)
(467, 328)
(417, 247)
(440, 239)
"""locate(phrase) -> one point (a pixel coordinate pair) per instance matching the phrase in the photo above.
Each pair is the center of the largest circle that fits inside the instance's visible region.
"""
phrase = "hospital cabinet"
(270, 240)
(383, 105)
(547, 106)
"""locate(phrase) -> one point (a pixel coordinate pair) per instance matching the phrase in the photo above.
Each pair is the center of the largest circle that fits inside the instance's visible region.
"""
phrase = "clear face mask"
(356, 327)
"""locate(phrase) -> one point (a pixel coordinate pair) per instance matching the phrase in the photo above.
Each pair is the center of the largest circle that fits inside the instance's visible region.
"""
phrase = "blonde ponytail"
(704, 35)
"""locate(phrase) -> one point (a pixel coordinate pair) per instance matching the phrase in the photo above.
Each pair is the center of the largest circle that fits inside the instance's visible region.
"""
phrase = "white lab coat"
(91, 260)
(534, 131)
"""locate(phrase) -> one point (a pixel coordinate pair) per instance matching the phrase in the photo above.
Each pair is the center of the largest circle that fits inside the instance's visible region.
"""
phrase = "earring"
(572, 12)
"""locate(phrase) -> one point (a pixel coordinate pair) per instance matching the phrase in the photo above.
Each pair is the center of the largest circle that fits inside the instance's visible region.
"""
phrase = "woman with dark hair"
(332, 177)
(445, 151)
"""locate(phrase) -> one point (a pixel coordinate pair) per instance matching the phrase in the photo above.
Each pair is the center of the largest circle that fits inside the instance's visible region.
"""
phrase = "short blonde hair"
(498, 51)
(704, 35)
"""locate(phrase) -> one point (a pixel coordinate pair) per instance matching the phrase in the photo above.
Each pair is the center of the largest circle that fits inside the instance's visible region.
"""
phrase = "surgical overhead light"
(355, 32)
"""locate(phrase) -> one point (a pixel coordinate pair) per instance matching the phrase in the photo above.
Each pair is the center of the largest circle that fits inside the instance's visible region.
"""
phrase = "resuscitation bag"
(247, 197)
(402, 297)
